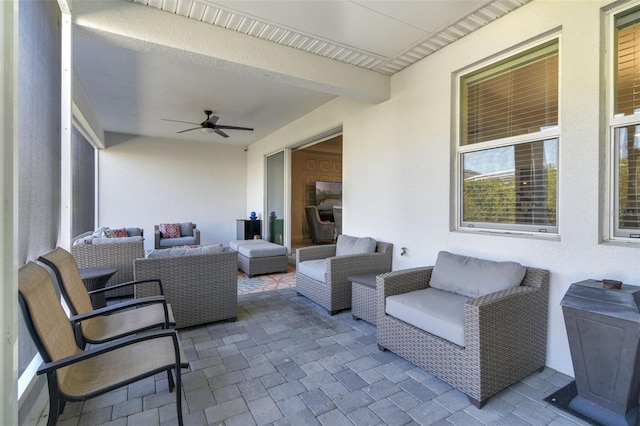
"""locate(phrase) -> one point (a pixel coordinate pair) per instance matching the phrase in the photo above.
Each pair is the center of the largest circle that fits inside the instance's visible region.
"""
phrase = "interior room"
(134, 113)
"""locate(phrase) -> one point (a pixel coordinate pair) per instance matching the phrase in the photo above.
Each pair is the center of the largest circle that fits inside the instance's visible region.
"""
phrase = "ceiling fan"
(209, 125)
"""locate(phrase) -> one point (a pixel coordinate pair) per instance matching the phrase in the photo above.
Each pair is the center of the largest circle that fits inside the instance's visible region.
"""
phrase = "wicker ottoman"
(363, 297)
(257, 257)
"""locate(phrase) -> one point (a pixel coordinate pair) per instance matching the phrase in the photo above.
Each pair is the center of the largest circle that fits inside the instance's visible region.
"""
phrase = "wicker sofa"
(118, 253)
(328, 285)
(189, 235)
(201, 288)
(505, 332)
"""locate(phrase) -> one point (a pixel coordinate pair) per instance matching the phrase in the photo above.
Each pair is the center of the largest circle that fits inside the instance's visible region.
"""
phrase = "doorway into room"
(320, 161)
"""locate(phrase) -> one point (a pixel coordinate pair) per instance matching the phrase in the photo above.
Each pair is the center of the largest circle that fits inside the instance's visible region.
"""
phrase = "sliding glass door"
(277, 197)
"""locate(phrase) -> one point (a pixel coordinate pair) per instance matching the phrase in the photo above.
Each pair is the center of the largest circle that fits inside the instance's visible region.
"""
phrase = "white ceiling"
(259, 64)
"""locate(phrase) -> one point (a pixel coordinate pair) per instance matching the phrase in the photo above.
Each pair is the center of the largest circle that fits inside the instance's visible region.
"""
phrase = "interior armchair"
(176, 234)
(322, 271)
(320, 230)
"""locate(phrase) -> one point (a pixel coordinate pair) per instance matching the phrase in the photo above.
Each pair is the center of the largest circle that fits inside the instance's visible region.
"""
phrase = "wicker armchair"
(201, 288)
(335, 294)
(320, 230)
(505, 334)
(118, 255)
(337, 219)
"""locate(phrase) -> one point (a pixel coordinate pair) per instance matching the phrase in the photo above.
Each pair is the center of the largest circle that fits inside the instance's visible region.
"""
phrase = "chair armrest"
(196, 234)
(399, 282)
(156, 236)
(111, 346)
(128, 284)
(518, 313)
(133, 303)
(340, 267)
(403, 281)
(315, 252)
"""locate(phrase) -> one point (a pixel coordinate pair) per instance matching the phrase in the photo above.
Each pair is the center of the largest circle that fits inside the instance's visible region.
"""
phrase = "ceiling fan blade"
(221, 133)
(178, 121)
(233, 127)
(188, 130)
(211, 120)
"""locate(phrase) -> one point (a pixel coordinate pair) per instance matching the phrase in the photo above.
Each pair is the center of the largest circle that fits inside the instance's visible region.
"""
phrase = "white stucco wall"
(398, 160)
(146, 181)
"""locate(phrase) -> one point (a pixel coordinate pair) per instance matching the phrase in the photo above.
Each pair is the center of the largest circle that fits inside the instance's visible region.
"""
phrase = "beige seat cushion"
(435, 311)
(315, 269)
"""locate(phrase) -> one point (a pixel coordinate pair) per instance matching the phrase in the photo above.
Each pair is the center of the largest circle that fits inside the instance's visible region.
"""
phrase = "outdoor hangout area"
(340, 212)
(335, 338)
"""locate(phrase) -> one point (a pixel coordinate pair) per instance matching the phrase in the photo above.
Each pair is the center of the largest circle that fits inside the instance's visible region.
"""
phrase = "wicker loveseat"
(322, 271)
(201, 288)
(504, 332)
(189, 234)
(90, 251)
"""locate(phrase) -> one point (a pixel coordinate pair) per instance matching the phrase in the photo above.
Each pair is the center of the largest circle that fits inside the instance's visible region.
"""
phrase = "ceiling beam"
(146, 29)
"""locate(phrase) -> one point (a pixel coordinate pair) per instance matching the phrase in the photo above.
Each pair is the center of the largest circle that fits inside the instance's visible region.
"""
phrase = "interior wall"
(146, 181)
(398, 160)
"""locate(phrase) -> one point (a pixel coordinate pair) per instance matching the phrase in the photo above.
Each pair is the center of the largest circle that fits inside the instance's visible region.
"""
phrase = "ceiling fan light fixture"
(207, 130)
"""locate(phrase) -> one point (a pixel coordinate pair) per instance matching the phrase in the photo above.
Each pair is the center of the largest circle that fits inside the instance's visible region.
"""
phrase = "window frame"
(540, 231)
(613, 123)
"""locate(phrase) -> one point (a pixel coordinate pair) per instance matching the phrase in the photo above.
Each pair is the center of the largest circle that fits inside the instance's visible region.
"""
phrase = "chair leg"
(170, 379)
(475, 402)
(381, 348)
(54, 401)
(179, 394)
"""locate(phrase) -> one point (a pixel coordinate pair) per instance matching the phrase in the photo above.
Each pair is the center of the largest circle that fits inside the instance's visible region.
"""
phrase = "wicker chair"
(201, 288)
(505, 334)
(119, 255)
(189, 235)
(114, 321)
(337, 219)
(320, 230)
(335, 294)
(74, 374)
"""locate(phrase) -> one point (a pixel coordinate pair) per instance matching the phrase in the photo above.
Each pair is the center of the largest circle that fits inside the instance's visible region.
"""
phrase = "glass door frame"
(286, 239)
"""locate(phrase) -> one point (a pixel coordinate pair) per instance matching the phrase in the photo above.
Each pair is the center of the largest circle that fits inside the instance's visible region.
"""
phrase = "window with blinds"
(625, 127)
(516, 97)
(508, 149)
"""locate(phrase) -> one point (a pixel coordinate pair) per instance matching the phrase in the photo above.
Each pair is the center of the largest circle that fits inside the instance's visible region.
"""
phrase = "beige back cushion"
(353, 245)
(474, 277)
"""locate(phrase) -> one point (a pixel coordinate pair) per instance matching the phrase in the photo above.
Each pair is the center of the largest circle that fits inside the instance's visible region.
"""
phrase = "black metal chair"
(111, 322)
(74, 374)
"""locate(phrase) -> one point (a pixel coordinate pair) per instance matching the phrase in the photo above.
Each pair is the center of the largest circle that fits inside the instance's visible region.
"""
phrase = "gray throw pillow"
(353, 245)
(99, 233)
(474, 277)
(186, 229)
(134, 232)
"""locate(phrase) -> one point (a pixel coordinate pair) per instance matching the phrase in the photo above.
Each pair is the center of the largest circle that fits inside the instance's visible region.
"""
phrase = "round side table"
(94, 279)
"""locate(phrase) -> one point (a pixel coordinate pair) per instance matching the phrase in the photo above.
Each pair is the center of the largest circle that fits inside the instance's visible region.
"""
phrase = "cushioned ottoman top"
(257, 248)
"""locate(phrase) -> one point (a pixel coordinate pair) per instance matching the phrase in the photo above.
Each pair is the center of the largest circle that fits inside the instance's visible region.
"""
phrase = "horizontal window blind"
(518, 96)
(627, 91)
